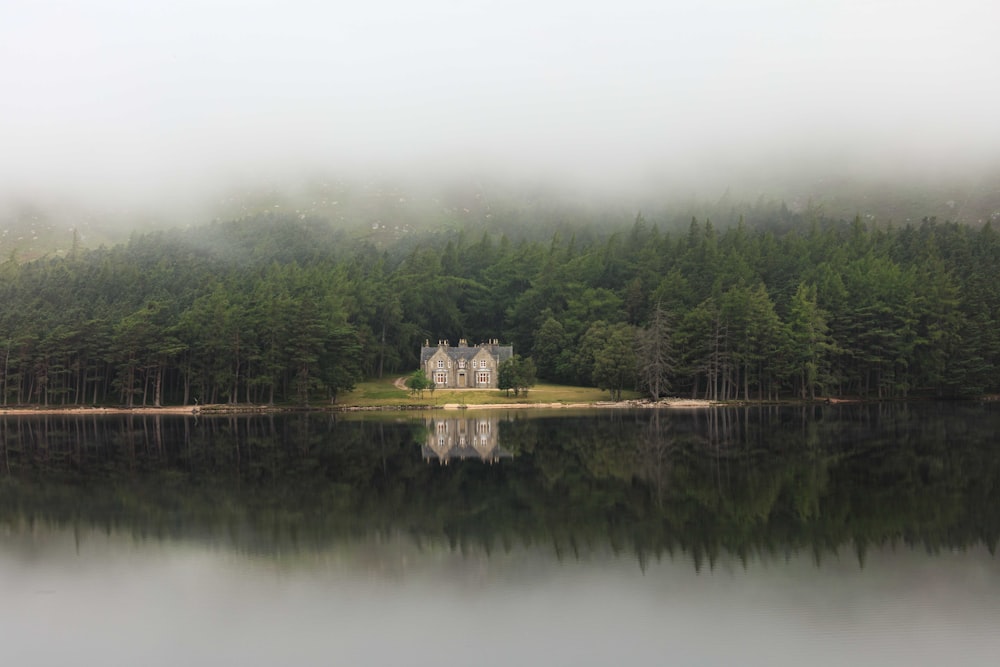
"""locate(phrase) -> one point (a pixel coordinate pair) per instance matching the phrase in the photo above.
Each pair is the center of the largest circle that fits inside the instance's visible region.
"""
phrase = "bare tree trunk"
(234, 397)
(3, 380)
(158, 386)
(131, 385)
(381, 351)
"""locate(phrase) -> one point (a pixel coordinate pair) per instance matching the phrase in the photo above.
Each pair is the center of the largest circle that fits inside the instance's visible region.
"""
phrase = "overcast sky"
(153, 98)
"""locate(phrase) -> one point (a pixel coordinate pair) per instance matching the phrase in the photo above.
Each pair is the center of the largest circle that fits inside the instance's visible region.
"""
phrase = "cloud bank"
(146, 102)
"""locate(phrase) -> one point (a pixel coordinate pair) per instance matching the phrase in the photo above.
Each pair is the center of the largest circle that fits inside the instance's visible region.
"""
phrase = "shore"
(87, 410)
(663, 403)
(246, 408)
(227, 409)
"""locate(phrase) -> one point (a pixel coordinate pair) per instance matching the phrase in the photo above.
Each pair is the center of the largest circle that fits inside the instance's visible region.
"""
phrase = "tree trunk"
(234, 397)
(381, 351)
(3, 380)
(158, 386)
(130, 386)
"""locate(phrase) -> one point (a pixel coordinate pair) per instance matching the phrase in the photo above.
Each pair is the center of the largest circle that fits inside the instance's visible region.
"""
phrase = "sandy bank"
(251, 409)
(664, 403)
(86, 411)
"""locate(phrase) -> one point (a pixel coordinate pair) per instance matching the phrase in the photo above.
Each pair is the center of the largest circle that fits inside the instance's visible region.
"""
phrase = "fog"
(168, 105)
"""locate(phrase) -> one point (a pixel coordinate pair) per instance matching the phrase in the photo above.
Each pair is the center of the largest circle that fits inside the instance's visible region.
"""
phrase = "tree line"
(274, 309)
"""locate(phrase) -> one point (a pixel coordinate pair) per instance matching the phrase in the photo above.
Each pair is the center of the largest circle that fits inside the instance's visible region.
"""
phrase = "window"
(483, 377)
(440, 363)
(461, 363)
(441, 378)
(482, 363)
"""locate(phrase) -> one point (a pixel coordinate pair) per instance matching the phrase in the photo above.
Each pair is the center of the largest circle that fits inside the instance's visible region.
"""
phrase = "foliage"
(615, 360)
(517, 373)
(283, 310)
(655, 354)
(418, 382)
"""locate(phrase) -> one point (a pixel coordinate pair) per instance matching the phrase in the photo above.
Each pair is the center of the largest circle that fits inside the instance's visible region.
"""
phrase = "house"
(464, 367)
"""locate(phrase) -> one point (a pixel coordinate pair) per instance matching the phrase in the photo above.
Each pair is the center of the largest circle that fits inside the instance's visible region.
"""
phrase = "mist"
(143, 110)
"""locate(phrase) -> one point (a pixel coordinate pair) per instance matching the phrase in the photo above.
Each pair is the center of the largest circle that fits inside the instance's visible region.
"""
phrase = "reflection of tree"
(749, 482)
(654, 454)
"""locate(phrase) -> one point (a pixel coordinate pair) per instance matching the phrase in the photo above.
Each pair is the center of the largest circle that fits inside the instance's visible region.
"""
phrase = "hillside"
(386, 211)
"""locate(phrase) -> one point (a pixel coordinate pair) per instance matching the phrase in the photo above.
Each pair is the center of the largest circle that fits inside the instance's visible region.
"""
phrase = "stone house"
(464, 367)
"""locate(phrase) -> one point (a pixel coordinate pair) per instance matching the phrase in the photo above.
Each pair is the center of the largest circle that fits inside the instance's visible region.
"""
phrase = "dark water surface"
(826, 536)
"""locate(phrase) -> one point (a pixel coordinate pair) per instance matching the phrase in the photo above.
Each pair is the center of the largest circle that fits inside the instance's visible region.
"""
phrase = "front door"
(461, 378)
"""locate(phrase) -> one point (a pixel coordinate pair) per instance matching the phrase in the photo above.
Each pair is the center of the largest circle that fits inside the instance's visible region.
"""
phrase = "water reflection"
(750, 483)
(463, 438)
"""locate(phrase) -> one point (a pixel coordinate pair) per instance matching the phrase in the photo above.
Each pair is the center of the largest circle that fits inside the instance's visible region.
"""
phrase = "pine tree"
(654, 353)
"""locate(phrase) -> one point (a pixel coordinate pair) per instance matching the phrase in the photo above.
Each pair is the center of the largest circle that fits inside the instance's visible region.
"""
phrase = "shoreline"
(629, 404)
(225, 409)
(89, 410)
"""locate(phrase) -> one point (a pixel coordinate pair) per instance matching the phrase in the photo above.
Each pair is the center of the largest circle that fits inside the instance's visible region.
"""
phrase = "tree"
(339, 367)
(703, 340)
(505, 375)
(808, 342)
(135, 341)
(418, 382)
(654, 352)
(517, 373)
(550, 342)
(614, 361)
(524, 375)
(756, 336)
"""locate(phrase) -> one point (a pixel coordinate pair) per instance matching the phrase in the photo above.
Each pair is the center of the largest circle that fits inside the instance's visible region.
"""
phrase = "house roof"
(501, 352)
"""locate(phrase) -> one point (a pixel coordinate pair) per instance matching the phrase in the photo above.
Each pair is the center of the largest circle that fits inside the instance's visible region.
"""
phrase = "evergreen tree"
(654, 353)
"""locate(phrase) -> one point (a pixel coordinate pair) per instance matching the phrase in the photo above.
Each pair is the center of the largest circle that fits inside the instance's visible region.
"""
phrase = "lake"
(826, 535)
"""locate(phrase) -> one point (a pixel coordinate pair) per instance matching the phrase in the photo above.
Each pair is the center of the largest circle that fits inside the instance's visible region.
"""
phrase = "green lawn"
(383, 392)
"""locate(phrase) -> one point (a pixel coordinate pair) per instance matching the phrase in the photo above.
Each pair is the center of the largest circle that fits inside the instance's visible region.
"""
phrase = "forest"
(276, 309)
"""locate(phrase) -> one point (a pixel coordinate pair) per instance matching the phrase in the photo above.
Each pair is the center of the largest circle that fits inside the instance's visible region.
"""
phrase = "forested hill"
(288, 309)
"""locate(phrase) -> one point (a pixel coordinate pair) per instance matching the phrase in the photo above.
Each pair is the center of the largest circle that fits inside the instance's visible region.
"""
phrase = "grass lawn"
(383, 392)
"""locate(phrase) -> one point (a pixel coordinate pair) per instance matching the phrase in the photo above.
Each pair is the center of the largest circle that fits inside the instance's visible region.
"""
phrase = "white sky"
(155, 97)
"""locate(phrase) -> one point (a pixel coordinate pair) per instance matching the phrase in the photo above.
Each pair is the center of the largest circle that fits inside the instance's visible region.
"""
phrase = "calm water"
(839, 535)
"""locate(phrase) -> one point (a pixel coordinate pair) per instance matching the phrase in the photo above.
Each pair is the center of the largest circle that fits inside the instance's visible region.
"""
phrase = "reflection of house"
(463, 366)
(463, 439)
